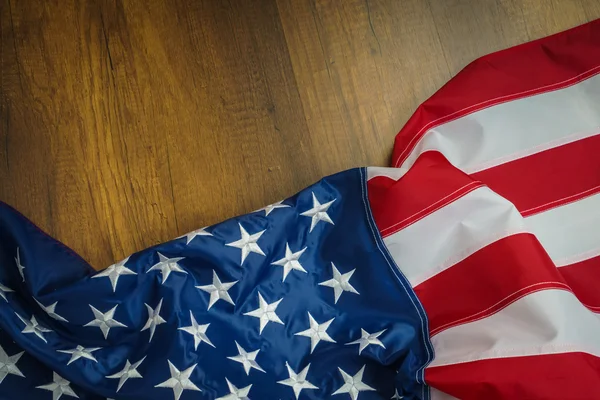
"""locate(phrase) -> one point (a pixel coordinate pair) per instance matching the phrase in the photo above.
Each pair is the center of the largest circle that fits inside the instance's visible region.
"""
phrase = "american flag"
(468, 270)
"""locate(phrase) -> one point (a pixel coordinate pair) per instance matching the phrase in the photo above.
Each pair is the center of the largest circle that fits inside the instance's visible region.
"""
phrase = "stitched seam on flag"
(384, 174)
(425, 393)
(381, 245)
(442, 202)
(506, 98)
(469, 319)
(501, 305)
(426, 209)
(495, 101)
(400, 171)
(560, 202)
(553, 144)
(517, 155)
(545, 349)
(438, 204)
(403, 282)
(577, 258)
(457, 258)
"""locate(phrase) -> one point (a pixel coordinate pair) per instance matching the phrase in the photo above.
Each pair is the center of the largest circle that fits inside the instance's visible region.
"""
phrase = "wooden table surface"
(127, 123)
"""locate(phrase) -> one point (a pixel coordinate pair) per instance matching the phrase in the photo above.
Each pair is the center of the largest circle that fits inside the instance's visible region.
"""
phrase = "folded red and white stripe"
(493, 215)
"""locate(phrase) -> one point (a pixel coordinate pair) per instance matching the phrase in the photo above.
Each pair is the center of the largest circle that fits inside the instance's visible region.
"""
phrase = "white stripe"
(544, 322)
(571, 232)
(515, 129)
(392, 173)
(452, 233)
(439, 395)
(563, 262)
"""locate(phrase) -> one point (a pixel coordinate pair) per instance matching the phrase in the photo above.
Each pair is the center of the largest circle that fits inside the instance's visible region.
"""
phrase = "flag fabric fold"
(297, 300)
(510, 275)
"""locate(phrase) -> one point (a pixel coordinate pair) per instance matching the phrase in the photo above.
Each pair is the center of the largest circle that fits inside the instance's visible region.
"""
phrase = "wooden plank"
(591, 8)
(362, 67)
(551, 16)
(144, 115)
(469, 29)
(236, 129)
(53, 110)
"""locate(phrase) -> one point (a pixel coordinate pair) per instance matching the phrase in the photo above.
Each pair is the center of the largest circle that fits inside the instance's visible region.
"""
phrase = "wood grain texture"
(126, 123)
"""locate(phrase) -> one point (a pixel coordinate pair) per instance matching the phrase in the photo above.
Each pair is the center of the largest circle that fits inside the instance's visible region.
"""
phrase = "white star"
(298, 381)
(80, 352)
(218, 290)
(167, 265)
(34, 327)
(247, 359)
(129, 371)
(105, 321)
(58, 387)
(340, 282)
(290, 261)
(317, 332)
(197, 331)
(50, 311)
(179, 380)
(247, 243)
(367, 339)
(3, 291)
(192, 235)
(114, 272)
(353, 385)
(235, 393)
(265, 313)
(396, 396)
(318, 212)
(154, 319)
(19, 265)
(8, 364)
(269, 209)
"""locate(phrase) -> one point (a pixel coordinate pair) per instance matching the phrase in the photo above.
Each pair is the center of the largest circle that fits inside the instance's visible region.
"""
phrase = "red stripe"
(543, 65)
(548, 179)
(563, 376)
(584, 278)
(487, 281)
(429, 185)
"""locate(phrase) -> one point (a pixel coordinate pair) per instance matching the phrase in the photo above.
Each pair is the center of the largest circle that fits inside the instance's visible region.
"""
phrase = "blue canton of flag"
(299, 300)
